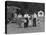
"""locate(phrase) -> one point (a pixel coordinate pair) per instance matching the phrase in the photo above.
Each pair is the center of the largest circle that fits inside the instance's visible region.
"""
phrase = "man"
(34, 20)
(26, 21)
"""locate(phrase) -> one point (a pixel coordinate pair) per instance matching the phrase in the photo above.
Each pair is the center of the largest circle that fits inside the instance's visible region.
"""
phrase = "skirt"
(26, 23)
(34, 22)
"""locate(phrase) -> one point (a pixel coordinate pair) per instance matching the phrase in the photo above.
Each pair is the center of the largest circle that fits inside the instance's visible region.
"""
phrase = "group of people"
(28, 19)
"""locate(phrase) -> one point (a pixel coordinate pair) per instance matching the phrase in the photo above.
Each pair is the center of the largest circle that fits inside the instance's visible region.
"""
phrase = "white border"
(38, 1)
(2, 16)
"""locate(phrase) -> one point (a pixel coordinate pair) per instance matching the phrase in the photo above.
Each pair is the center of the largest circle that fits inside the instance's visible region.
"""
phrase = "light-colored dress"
(30, 23)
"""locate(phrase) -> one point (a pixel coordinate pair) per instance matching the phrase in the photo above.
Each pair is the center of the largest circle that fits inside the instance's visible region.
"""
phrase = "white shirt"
(19, 16)
(26, 15)
(35, 16)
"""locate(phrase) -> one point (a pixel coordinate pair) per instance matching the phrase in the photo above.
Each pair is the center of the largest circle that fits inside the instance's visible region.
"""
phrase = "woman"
(30, 21)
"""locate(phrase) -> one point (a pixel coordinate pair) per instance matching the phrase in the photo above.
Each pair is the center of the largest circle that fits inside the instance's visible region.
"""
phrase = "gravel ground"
(13, 28)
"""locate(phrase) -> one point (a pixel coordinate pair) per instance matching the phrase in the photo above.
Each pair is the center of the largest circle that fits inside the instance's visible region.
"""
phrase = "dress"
(30, 23)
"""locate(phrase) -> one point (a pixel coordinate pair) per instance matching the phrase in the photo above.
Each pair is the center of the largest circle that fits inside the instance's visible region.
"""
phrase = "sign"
(40, 14)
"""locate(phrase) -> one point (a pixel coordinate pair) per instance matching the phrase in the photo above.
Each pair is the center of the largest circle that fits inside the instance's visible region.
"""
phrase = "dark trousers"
(26, 23)
(34, 22)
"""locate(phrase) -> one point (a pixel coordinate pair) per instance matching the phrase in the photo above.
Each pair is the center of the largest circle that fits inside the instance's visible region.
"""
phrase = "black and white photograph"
(24, 17)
